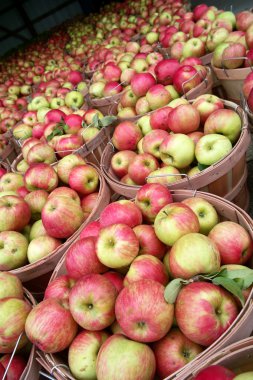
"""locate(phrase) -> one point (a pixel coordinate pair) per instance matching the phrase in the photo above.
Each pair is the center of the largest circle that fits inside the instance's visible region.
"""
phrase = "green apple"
(217, 54)
(227, 16)
(244, 376)
(215, 38)
(171, 151)
(41, 113)
(225, 122)
(41, 246)
(212, 148)
(165, 175)
(22, 166)
(39, 102)
(96, 89)
(89, 133)
(37, 230)
(74, 99)
(56, 103)
(177, 102)
(144, 124)
(172, 91)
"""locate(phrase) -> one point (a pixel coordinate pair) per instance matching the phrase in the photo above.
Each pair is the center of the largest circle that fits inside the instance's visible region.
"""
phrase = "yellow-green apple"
(178, 102)
(244, 376)
(193, 254)
(37, 230)
(41, 246)
(141, 166)
(74, 99)
(173, 93)
(206, 104)
(61, 217)
(121, 161)
(146, 300)
(146, 267)
(36, 200)
(174, 221)
(164, 176)
(116, 279)
(40, 177)
(66, 164)
(30, 118)
(13, 315)
(84, 179)
(89, 115)
(127, 180)
(117, 245)
(88, 203)
(15, 368)
(128, 98)
(217, 58)
(151, 198)
(173, 352)
(185, 79)
(238, 248)
(11, 182)
(173, 155)
(38, 102)
(22, 166)
(83, 351)
(249, 36)
(176, 50)
(215, 371)
(92, 301)
(194, 47)
(27, 145)
(216, 37)
(243, 20)
(227, 16)
(212, 148)
(157, 96)
(11, 286)
(14, 250)
(142, 106)
(96, 89)
(159, 119)
(89, 133)
(206, 213)
(154, 57)
(123, 211)
(127, 113)
(222, 23)
(184, 119)
(65, 191)
(59, 288)
(245, 291)
(50, 326)
(68, 144)
(135, 360)
(165, 71)
(81, 258)
(235, 50)
(210, 14)
(140, 65)
(148, 241)
(22, 131)
(126, 136)
(204, 311)
(15, 213)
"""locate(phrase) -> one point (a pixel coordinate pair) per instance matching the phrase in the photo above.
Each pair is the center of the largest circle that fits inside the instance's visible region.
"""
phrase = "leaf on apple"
(108, 120)
(56, 132)
(173, 288)
(231, 286)
(202, 166)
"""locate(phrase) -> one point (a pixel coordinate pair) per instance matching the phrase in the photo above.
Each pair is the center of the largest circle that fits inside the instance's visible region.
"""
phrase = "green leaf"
(107, 120)
(95, 120)
(212, 275)
(173, 288)
(243, 277)
(202, 166)
(56, 132)
(84, 125)
(248, 281)
(65, 127)
(231, 286)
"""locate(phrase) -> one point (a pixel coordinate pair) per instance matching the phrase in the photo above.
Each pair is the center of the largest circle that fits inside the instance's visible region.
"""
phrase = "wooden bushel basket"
(105, 104)
(245, 106)
(226, 178)
(9, 154)
(238, 357)
(232, 80)
(47, 264)
(241, 328)
(205, 87)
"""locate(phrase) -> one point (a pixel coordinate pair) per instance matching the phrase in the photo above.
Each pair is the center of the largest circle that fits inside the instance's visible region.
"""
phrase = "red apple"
(159, 119)
(123, 211)
(84, 179)
(126, 136)
(185, 79)
(121, 161)
(207, 104)
(215, 372)
(148, 241)
(15, 213)
(116, 279)
(165, 70)
(141, 83)
(141, 167)
(91, 230)
(59, 288)
(16, 368)
(41, 177)
(184, 119)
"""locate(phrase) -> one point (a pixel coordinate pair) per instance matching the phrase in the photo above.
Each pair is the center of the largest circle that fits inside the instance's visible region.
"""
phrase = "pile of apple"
(43, 208)
(111, 310)
(247, 90)
(14, 309)
(171, 141)
(168, 81)
(222, 373)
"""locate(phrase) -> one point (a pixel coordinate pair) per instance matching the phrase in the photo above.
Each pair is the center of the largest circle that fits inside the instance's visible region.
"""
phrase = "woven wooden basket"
(226, 178)
(104, 105)
(205, 87)
(241, 328)
(9, 154)
(48, 263)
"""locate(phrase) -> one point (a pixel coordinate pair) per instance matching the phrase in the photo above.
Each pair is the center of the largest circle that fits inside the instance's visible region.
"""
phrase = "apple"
(206, 104)
(14, 250)
(117, 245)
(141, 166)
(96, 89)
(171, 153)
(16, 368)
(217, 58)
(66, 164)
(173, 352)
(164, 176)
(238, 248)
(90, 230)
(145, 299)
(122, 211)
(226, 122)
(74, 99)
(121, 161)
(205, 212)
(249, 36)
(152, 141)
(227, 16)
(50, 326)
(38, 102)
(185, 79)
(15, 213)
(128, 98)
(40, 177)
(65, 191)
(91, 301)
(233, 51)
(184, 119)
(37, 230)
(194, 47)
(165, 71)
(66, 144)
(126, 136)
(84, 179)
(83, 351)
(159, 119)
(243, 20)
(11, 182)
(210, 309)
(36, 200)
(244, 376)
(81, 258)
(13, 315)
(135, 360)
(216, 37)
(112, 88)
(59, 288)
(11, 286)
(41, 246)
(61, 217)
(116, 279)
(89, 203)
(157, 96)
(141, 83)
(212, 148)
(174, 221)
(27, 145)
(199, 11)
(216, 371)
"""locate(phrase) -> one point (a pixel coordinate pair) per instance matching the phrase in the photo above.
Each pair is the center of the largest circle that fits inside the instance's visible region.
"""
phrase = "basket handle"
(12, 356)
(234, 58)
(202, 77)
(172, 175)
